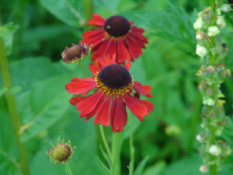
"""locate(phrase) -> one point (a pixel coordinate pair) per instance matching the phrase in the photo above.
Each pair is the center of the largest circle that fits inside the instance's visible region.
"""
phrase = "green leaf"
(35, 69)
(141, 166)
(155, 169)
(113, 6)
(105, 169)
(7, 32)
(186, 166)
(2, 91)
(43, 105)
(161, 22)
(106, 157)
(64, 10)
(82, 135)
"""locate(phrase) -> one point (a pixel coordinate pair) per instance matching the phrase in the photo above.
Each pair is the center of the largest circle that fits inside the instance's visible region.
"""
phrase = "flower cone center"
(114, 79)
(117, 26)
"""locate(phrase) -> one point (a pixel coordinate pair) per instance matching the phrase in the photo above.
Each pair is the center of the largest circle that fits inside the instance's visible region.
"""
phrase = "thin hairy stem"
(12, 108)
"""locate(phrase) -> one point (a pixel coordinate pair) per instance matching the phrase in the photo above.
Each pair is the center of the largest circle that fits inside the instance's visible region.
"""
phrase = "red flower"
(114, 92)
(115, 36)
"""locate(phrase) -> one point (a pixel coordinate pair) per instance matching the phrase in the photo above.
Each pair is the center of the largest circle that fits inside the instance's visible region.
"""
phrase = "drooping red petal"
(149, 105)
(118, 115)
(138, 33)
(134, 48)
(102, 116)
(122, 52)
(75, 79)
(94, 111)
(76, 100)
(92, 33)
(112, 48)
(128, 65)
(87, 105)
(138, 109)
(137, 40)
(80, 86)
(94, 67)
(98, 53)
(97, 20)
(142, 89)
(94, 41)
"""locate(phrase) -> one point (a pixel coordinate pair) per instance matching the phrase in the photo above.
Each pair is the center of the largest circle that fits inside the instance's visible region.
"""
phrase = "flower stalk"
(11, 103)
(131, 146)
(68, 168)
(116, 155)
(212, 52)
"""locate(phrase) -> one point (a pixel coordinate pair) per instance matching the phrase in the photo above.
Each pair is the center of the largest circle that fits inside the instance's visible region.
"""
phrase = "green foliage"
(65, 10)
(7, 32)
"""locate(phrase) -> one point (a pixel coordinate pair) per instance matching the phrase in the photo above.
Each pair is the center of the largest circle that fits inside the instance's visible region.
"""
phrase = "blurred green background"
(35, 33)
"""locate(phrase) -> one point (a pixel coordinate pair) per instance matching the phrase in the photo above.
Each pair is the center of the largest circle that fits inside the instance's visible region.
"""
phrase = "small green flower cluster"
(212, 52)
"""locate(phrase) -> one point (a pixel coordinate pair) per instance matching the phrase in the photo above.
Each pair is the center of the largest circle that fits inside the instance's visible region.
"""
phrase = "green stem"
(131, 164)
(88, 9)
(116, 155)
(11, 103)
(68, 168)
(83, 69)
(105, 142)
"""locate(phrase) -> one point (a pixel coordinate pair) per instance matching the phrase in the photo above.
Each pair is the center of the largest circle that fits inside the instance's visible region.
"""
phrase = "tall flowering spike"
(115, 90)
(212, 52)
(61, 152)
(75, 53)
(115, 36)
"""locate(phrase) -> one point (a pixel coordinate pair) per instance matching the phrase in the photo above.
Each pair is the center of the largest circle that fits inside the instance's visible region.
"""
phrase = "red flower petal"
(112, 48)
(142, 89)
(93, 33)
(80, 86)
(87, 105)
(128, 65)
(137, 40)
(138, 109)
(76, 100)
(97, 20)
(134, 48)
(138, 33)
(94, 67)
(149, 105)
(118, 114)
(101, 49)
(102, 116)
(94, 41)
(122, 52)
(94, 111)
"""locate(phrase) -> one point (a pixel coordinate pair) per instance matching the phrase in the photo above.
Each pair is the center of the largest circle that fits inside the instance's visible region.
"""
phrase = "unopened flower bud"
(201, 51)
(74, 53)
(225, 7)
(203, 169)
(61, 152)
(215, 150)
(213, 31)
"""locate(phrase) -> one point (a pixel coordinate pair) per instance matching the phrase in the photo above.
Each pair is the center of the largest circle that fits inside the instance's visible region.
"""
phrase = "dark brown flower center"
(75, 51)
(117, 26)
(115, 76)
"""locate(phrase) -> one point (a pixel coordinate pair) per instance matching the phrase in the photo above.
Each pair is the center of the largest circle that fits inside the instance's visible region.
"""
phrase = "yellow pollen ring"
(109, 91)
